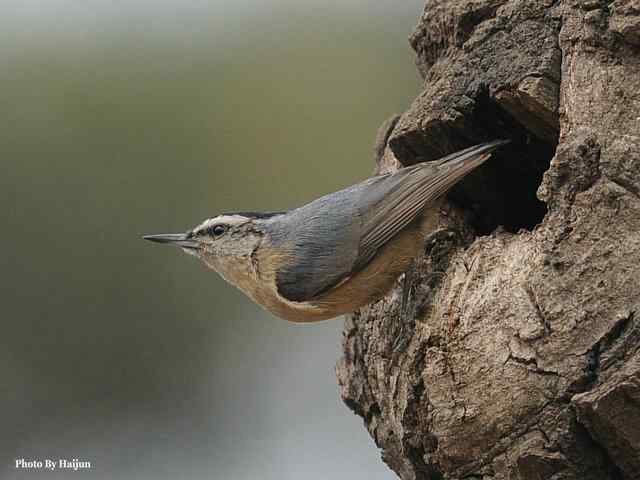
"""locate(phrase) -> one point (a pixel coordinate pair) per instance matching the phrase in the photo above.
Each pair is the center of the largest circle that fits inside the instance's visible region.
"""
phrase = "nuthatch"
(337, 253)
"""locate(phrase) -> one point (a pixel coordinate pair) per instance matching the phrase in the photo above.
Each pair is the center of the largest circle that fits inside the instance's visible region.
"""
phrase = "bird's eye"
(218, 230)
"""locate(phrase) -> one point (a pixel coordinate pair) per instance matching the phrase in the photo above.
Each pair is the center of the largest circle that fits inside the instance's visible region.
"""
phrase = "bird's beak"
(182, 240)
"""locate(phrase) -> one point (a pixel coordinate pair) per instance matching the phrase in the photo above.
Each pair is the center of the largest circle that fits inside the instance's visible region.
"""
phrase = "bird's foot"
(443, 237)
(406, 311)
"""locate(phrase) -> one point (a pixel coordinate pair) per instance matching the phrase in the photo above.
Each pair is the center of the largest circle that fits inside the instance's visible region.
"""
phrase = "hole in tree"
(502, 192)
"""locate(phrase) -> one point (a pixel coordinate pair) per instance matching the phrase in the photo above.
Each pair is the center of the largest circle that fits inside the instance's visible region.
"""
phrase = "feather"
(332, 238)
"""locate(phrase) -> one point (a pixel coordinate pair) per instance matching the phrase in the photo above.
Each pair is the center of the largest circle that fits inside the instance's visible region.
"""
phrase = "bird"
(337, 253)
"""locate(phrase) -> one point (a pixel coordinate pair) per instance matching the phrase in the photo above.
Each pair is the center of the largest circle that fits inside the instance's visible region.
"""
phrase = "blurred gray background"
(120, 118)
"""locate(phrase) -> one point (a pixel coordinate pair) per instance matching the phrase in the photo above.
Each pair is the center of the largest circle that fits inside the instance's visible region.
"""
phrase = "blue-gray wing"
(337, 235)
(319, 242)
(406, 193)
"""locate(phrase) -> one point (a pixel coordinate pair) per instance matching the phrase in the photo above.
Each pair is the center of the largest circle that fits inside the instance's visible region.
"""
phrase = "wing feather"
(420, 185)
(339, 234)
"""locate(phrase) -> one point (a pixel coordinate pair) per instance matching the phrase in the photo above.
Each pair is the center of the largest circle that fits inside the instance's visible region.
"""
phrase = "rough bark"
(521, 358)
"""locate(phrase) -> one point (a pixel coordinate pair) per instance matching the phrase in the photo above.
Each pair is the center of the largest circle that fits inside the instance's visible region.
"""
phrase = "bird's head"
(220, 242)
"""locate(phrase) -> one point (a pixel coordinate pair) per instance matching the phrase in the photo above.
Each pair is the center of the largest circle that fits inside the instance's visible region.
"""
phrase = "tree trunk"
(520, 356)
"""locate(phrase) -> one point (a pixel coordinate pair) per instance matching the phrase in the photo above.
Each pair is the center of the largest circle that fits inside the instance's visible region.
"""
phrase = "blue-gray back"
(340, 233)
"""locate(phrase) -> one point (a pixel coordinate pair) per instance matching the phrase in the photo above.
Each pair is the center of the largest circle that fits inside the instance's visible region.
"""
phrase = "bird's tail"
(452, 168)
(471, 152)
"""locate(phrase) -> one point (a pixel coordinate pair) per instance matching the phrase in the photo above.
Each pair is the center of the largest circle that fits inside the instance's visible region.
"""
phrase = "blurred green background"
(124, 118)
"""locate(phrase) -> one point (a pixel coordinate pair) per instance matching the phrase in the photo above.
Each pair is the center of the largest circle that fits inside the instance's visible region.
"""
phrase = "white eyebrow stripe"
(226, 219)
